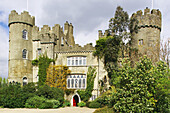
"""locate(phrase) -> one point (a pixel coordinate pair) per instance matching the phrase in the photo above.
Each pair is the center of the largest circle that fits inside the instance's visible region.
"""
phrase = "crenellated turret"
(147, 39)
(24, 18)
(149, 19)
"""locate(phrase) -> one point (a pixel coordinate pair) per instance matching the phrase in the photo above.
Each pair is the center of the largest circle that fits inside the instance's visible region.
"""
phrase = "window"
(76, 61)
(140, 42)
(24, 81)
(24, 34)
(75, 82)
(39, 51)
(93, 97)
(24, 54)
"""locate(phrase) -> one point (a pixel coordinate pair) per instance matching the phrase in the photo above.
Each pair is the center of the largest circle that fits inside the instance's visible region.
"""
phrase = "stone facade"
(147, 39)
(58, 43)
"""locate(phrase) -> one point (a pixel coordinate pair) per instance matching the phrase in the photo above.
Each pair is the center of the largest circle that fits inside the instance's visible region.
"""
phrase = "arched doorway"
(75, 100)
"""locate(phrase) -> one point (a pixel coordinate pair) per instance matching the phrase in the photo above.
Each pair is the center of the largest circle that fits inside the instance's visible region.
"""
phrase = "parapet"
(148, 18)
(24, 18)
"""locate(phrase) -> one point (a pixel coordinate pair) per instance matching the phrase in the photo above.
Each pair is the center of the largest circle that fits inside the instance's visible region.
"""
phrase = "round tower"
(20, 47)
(147, 39)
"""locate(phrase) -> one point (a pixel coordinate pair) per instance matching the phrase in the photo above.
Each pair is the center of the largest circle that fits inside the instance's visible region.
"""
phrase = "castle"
(27, 42)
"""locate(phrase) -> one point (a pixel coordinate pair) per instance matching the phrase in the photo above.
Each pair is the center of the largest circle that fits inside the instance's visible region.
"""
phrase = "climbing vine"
(43, 63)
(57, 76)
(87, 93)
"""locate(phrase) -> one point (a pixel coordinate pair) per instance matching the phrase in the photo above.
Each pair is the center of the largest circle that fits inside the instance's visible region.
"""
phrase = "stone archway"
(75, 100)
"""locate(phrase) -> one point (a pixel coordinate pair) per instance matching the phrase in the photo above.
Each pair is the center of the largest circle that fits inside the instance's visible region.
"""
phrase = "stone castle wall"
(149, 28)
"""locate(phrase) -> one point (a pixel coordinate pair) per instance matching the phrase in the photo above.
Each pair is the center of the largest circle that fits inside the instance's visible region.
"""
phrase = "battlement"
(101, 35)
(77, 48)
(148, 18)
(24, 18)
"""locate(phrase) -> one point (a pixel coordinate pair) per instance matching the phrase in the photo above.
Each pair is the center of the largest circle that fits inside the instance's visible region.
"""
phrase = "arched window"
(25, 81)
(24, 53)
(24, 34)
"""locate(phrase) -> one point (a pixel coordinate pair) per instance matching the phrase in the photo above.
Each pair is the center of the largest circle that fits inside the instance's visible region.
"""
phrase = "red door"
(74, 102)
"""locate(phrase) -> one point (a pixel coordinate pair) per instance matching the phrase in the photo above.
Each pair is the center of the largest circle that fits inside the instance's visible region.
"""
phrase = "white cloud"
(4, 52)
(87, 17)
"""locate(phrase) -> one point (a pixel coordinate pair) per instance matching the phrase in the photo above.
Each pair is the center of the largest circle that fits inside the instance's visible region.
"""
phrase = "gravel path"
(60, 110)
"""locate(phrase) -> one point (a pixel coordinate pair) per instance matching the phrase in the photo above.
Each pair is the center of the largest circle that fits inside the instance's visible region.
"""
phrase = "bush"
(66, 103)
(82, 104)
(11, 96)
(46, 105)
(104, 110)
(94, 104)
(51, 93)
(55, 103)
(88, 103)
(35, 102)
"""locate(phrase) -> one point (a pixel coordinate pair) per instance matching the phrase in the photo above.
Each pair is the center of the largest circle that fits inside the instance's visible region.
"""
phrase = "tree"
(107, 49)
(120, 22)
(141, 88)
(164, 51)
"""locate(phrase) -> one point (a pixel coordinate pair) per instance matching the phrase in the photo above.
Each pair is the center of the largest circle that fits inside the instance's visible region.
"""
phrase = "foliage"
(66, 103)
(140, 88)
(104, 110)
(35, 102)
(43, 63)
(56, 76)
(82, 104)
(87, 93)
(51, 93)
(120, 22)
(107, 49)
(46, 105)
(55, 103)
(95, 104)
(11, 96)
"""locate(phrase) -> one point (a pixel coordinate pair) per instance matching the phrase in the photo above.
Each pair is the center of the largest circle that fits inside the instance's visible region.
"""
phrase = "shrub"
(104, 110)
(94, 104)
(55, 103)
(66, 103)
(46, 105)
(51, 93)
(35, 102)
(87, 103)
(82, 104)
(11, 96)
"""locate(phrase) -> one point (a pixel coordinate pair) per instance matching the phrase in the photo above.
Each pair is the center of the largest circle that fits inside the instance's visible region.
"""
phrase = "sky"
(87, 17)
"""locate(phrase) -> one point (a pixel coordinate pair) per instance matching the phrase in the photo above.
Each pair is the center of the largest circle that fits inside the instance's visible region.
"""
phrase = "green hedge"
(94, 104)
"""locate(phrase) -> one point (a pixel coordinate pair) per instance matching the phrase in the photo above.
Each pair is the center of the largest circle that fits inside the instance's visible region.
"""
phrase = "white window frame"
(75, 80)
(76, 61)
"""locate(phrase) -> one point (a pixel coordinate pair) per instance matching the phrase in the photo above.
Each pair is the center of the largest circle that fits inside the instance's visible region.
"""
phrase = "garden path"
(60, 110)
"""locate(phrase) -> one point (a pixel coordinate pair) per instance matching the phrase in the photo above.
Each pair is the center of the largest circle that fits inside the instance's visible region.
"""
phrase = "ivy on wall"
(87, 93)
(43, 63)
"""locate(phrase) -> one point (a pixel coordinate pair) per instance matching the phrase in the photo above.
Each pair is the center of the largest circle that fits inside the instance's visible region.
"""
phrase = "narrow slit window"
(24, 34)
(24, 54)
